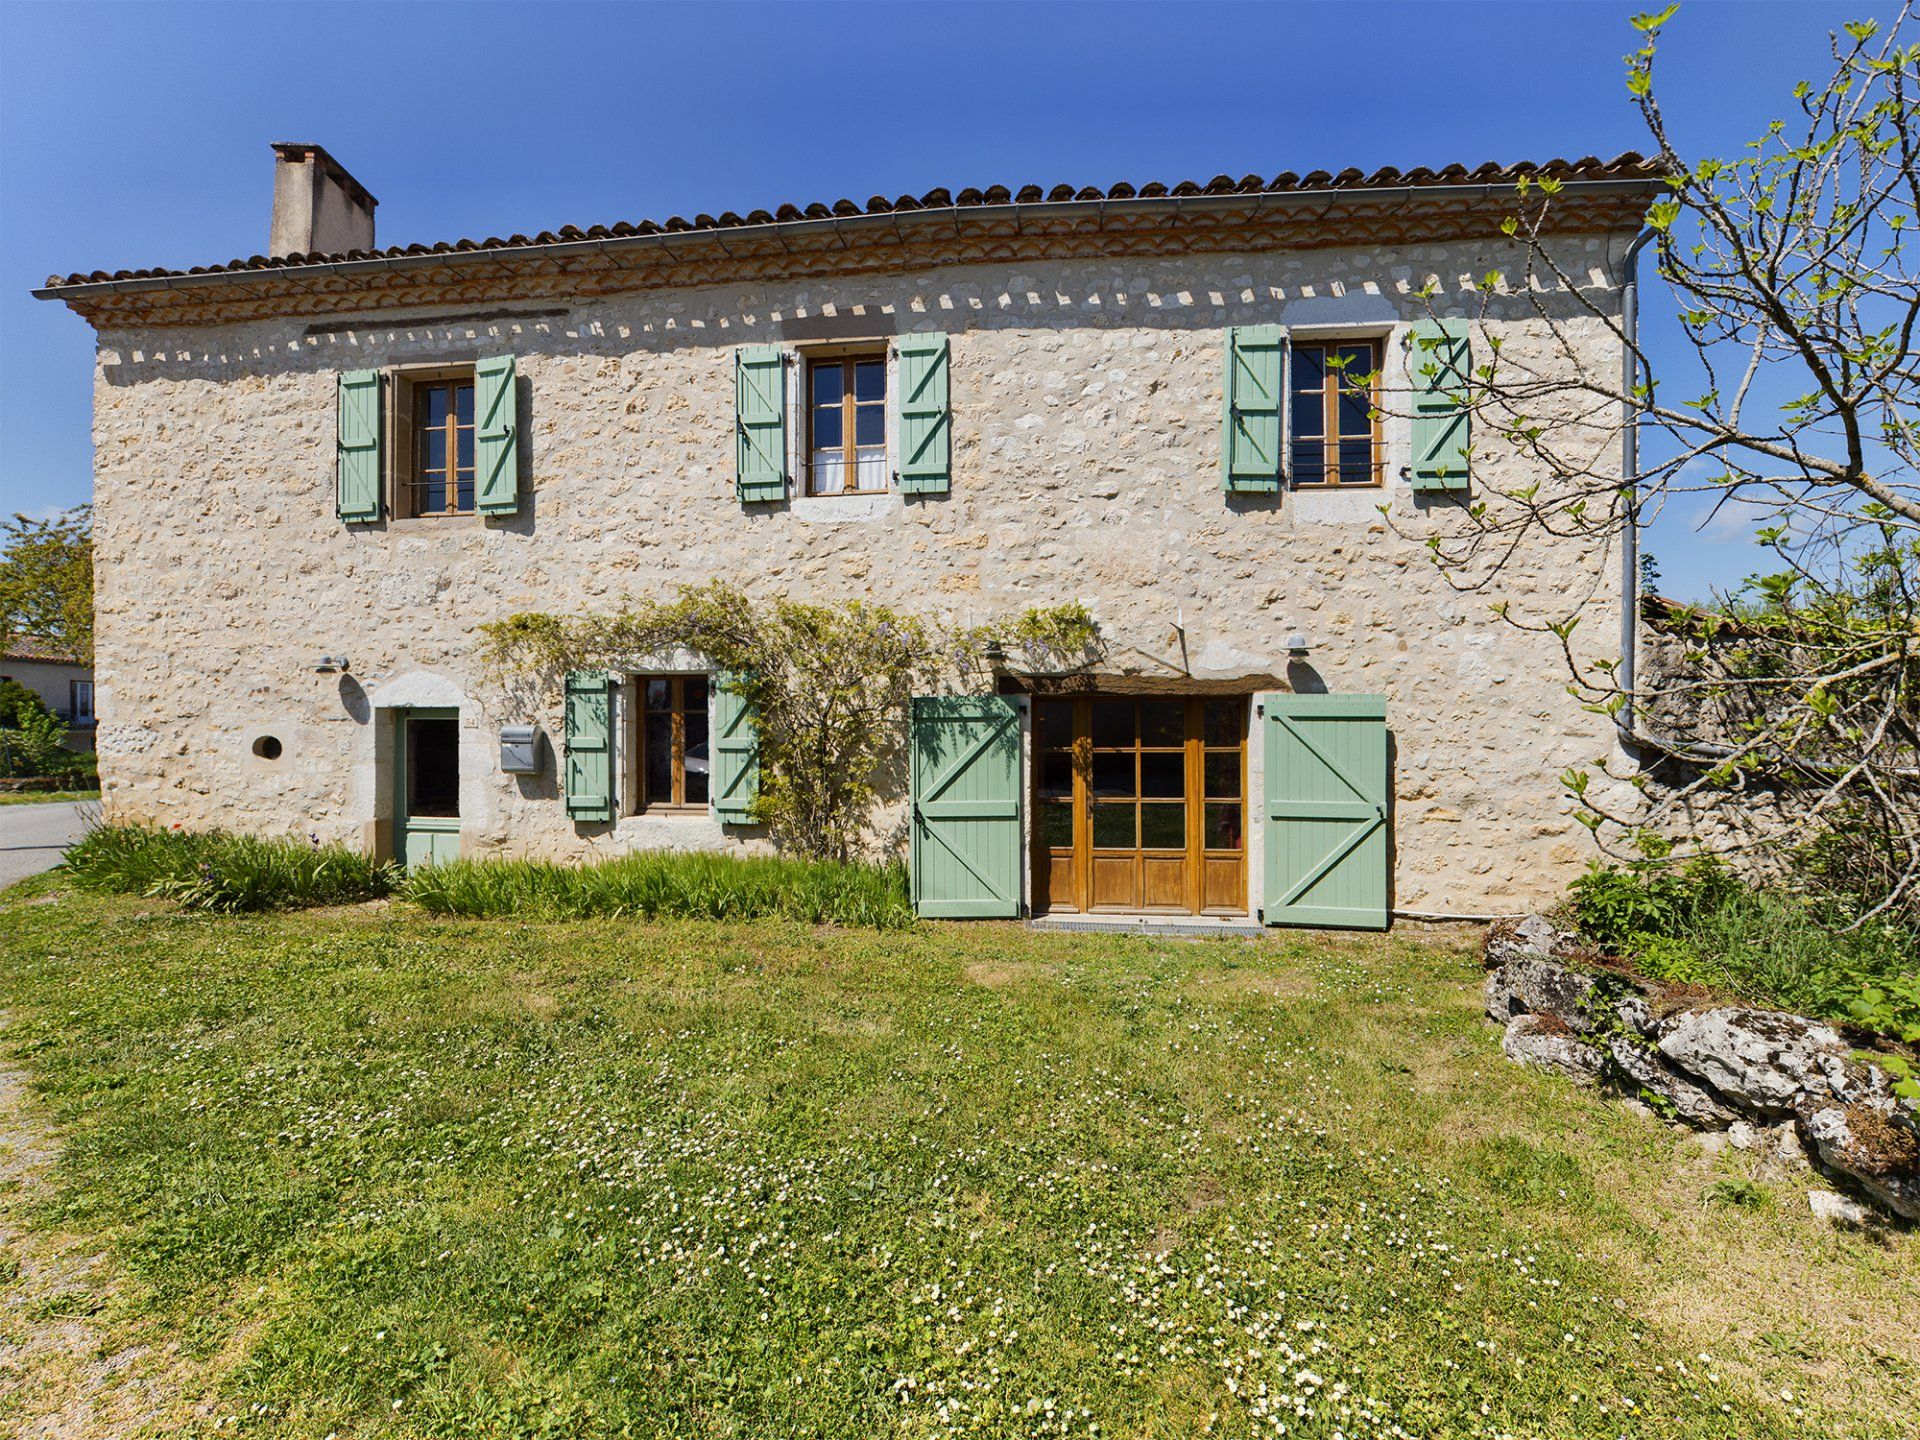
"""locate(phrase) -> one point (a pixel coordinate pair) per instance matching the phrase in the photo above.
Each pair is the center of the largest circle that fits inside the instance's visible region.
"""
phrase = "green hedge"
(658, 884)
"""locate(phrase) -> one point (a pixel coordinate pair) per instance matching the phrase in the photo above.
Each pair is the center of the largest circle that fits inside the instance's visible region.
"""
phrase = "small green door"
(426, 802)
(1324, 760)
(966, 806)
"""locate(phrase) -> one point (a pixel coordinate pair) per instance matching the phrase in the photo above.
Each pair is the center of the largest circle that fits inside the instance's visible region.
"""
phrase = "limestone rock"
(1510, 940)
(1692, 1103)
(1867, 1144)
(1759, 1059)
(1537, 985)
(1777, 1150)
(1549, 1043)
(1838, 1210)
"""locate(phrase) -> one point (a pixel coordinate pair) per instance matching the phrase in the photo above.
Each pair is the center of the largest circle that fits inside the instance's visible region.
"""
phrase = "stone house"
(63, 683)
(318, 471)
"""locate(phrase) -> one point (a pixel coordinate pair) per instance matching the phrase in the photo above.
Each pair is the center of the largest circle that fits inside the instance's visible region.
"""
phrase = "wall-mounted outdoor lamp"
(1297, 646)
(328, 664)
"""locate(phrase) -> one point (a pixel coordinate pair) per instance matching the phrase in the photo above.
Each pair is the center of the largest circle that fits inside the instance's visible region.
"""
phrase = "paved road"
(32, 837)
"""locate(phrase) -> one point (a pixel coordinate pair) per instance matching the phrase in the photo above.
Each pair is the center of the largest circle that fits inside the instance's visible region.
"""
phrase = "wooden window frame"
(847, 357)
(1330, 436)
(677, 802)
(403, 440)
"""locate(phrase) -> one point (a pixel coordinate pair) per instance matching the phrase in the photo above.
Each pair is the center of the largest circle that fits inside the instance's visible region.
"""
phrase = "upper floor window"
(82, 702)
(1336, 438)
(673, 742)
(847, 425)
(440, 478)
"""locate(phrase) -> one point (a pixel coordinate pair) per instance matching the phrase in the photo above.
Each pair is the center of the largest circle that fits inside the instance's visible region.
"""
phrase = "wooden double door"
(1140, 804)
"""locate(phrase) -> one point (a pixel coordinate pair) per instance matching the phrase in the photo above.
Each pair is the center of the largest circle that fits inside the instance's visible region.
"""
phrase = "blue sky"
(136, 135)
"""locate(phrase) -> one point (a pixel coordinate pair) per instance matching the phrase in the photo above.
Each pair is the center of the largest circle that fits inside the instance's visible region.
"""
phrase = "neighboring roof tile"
(1628, 166)
(33, 647)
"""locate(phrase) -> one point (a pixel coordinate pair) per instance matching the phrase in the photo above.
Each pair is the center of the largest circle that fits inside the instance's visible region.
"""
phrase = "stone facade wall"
(1086, 420)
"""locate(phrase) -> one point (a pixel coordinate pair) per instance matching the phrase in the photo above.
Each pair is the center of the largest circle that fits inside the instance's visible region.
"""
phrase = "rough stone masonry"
(1086, 404)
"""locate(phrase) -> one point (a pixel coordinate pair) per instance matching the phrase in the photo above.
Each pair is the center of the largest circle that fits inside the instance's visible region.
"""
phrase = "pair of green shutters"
(361, 441)
(1324, 798)
(923, 415)
(733, 749)
(1254, 420)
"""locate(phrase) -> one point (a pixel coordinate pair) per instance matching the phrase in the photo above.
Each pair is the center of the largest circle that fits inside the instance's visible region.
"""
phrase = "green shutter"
(1324, 764)
(1439, 362)
(966, 806)
(357, 484)
(1254, 398)
(926, 421)
(496, 437)
(760, 423)
(589, 745)
(733, 752)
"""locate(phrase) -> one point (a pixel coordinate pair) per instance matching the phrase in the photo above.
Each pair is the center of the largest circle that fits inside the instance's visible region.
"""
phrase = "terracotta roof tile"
(1628, 166)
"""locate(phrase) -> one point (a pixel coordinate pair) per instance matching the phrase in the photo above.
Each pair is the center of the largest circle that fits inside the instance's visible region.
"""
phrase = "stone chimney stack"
(317, 206)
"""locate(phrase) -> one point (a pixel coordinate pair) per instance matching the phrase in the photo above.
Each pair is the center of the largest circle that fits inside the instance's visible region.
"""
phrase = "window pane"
(1163, 772)
(1356, 411)
(870, 425)
(1224, 721)
(1113, 722)
(430, 404)
(694, 687)
(1309, 367)
(433, 767)
(870, 467)
(1113, 772)
(1356, 462)
(463, 404)
(463, 496)
(1223, 775)
(829, 384)
(659, 759)
(696, 745)
(827, 429)
(1056, 772)
(1309, 415)
(1309, 464)
(1223, 827)
(465, 451)
(870, 380)
(658, 694)
(1163, 722)
(1163, 827)
(1056, 827)
(431, 498)
(433, 450)
(1055, 721)
(1113, 827)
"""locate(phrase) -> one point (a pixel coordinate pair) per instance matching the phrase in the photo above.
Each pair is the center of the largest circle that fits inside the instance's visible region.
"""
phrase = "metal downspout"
(1630, 473)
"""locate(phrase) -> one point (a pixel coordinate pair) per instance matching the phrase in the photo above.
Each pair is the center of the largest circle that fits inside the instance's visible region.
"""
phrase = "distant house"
(64, 684)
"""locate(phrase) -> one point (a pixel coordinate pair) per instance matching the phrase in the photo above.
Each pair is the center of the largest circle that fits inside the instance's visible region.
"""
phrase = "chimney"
(318, 208)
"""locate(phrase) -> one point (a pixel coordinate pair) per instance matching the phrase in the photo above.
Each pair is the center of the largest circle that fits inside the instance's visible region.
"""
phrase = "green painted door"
(426, 803)
(966, 806)
(1324, 759)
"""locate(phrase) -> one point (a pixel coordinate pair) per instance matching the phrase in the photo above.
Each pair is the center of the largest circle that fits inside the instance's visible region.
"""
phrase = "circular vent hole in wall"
(267, 747)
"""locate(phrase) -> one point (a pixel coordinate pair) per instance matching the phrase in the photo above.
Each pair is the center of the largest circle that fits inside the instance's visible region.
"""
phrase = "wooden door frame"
(1194, 798)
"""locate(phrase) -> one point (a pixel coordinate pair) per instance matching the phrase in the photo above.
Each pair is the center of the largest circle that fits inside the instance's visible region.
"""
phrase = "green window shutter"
(1324, 768)
(926, 421)
(965, 841)
(589, 745)
(496, 437)
(1439, 361)
(357, 483)
(733, 752)
(1254, 397)
(760, 423)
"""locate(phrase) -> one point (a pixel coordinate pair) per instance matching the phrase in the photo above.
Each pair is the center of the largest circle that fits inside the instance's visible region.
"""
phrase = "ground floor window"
(672, 742)
(1140, 804)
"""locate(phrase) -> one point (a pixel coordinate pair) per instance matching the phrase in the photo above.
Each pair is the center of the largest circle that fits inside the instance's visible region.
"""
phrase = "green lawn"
(47, 797)
(377, 1174)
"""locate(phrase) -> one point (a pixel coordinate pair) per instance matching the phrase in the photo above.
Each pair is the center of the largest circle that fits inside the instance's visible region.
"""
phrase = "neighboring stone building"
(64, 684)
(318, 473)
